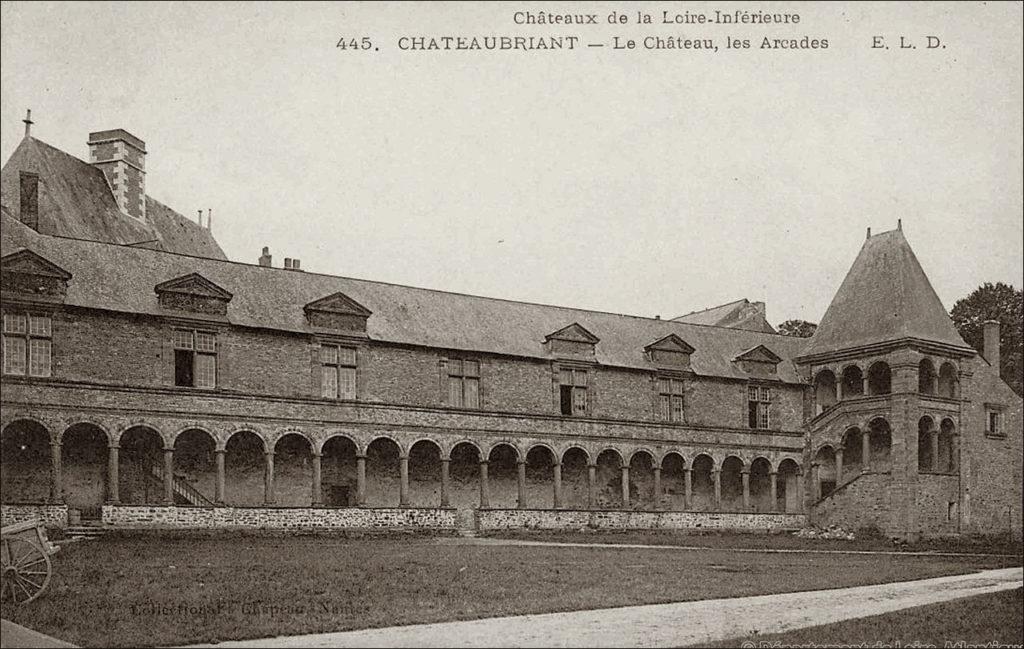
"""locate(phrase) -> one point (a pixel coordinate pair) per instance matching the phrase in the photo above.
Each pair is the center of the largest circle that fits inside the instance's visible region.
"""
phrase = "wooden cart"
(25, 561)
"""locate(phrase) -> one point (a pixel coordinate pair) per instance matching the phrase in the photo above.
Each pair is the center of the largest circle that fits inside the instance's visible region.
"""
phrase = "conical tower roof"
(885, 297)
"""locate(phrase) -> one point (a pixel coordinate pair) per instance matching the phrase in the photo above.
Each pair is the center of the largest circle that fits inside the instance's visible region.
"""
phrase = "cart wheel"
(26, 570)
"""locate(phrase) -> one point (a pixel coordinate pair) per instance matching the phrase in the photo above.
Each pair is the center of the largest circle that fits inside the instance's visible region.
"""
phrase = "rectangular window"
(27, 346)
(670, 395)
(338, 368)
(995, 422)
(573, 392)
(463, 383)
(759, 401)
(195, 358)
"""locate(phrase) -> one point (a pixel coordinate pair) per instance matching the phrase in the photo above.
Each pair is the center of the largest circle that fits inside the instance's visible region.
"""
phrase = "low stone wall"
(297, 518)
(50, 515)
(864, 502)
(552, 519)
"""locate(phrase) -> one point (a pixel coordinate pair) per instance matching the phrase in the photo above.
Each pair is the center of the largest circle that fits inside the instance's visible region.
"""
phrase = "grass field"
(149, 590)
(982, 621)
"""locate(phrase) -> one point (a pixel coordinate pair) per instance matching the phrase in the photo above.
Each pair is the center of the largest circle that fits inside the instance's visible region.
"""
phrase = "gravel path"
(667, 625)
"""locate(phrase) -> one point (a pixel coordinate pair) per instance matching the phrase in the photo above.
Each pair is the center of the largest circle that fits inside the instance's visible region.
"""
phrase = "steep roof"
(741, 314)
(121, 278)
(75, 201)
(885, 297)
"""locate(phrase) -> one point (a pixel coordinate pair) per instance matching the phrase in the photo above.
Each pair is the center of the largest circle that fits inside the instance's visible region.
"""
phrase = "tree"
(995, 302)
(798, 328)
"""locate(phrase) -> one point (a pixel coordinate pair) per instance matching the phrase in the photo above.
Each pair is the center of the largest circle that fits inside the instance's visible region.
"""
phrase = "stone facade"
(547, 519)
(278, 518)
(49, 514)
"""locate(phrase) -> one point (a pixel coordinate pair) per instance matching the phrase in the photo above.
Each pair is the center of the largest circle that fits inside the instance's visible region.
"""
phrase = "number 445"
(363, 43)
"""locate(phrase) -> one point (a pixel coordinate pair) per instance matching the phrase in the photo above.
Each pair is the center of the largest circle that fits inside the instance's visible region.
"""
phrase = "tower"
(122, 157)
(888, 376)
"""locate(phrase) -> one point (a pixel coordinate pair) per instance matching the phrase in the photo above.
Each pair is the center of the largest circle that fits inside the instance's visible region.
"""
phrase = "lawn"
(150, 590)
(993, 620)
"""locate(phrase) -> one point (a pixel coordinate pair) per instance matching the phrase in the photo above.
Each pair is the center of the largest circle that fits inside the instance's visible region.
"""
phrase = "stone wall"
(550, 519)
(938, 504)
(50, 515)
(295, 518)
(862, 502)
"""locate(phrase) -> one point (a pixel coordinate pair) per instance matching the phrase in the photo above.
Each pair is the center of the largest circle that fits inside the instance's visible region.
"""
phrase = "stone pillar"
(219, 497)
(112, 486)
(361, 480)
(657, 487)
(716, 475)
(444, 481)
(317, 496)
(687, 489)
(556, 474)
(591, 480)
(865, 451)
(954, 453)
(745, 475)
(268, 478)
(815, 483)
(56, 481)
(169, 476)
(839, 388)
(934, 441)
(625, 486)
(839, 467)
(521, 484)
(798, 479)
(864, 390)
(773, 479)
(403, 484)
(485, 493)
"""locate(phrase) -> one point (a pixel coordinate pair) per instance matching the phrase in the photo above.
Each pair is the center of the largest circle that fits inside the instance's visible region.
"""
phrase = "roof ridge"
(711, 308)
(417, 288)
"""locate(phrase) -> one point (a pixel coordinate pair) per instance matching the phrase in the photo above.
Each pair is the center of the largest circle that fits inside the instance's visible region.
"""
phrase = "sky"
(638, 181)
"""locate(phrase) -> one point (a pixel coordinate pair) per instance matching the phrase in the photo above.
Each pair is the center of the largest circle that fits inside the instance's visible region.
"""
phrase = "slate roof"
(885, 297)
(75, 201)
(122, 278)
(741, 314)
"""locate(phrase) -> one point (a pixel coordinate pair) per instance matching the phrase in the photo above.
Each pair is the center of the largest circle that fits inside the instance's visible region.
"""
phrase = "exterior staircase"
(181, 489)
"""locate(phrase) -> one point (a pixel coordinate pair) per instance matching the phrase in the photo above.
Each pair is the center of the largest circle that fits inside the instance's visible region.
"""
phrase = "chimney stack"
(265, 258)
(122, 158)
(288, 263)
(991, 347)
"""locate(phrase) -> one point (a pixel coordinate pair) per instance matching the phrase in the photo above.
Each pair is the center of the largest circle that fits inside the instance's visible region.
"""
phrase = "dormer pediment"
(195, 293)
(30, 275)
(573, 339)
(337, 311)
(758, 360)
(670, 351)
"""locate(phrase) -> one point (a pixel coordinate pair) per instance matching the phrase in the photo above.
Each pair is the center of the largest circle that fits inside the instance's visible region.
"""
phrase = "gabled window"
(338, 369)
(28, 344)
(670, 399)
(463, 383)
(573, 392)
(759, 401)
(195, 358)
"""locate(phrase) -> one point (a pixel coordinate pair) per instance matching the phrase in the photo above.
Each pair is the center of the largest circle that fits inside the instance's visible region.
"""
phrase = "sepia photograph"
(511, 324)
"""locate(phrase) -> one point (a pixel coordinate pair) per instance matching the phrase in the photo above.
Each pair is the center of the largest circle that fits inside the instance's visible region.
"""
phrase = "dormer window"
(670, 351)
(338, 312)
(573, 340)
(194, 293)
(758, 361)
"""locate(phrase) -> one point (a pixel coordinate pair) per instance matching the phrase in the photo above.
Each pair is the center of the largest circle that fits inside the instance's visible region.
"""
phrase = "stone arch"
(946, 460)
(853, 450)
(540, 475)
(85, 452)
(72, 423)
(503, 475)
(825, 471)
(853, 381)
(173, 438)
(385, 436)
(731, 477)
(338, 469)
(947, 382)
(265, 445)
(314, 443)
(195, 461)
(544, 445)
(673, 481)
(825, 390)
(245, 468)
(383, 471)
(466, 440)
(925, 458)
(609, 478)
(425, 473)
(879, 378)
(881, 444)
(761, 476)
(926, 376)
(644, 450)
(293, 469)
(641, 479)
(703, 484)
(140, 473)
(464, 471)
(575, 490)
(789, 496)
(25, 458)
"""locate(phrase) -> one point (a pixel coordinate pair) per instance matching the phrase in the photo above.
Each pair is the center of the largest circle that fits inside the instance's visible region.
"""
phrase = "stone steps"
(85, 532)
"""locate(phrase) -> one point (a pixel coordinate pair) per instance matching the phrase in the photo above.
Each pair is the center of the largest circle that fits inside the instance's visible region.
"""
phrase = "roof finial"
(28, 122)
(869, 233)
(899, 224)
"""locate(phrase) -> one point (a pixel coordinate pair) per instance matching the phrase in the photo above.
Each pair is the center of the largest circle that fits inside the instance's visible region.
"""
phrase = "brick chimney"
(265, 258)
(991, 345)
(122, 158)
